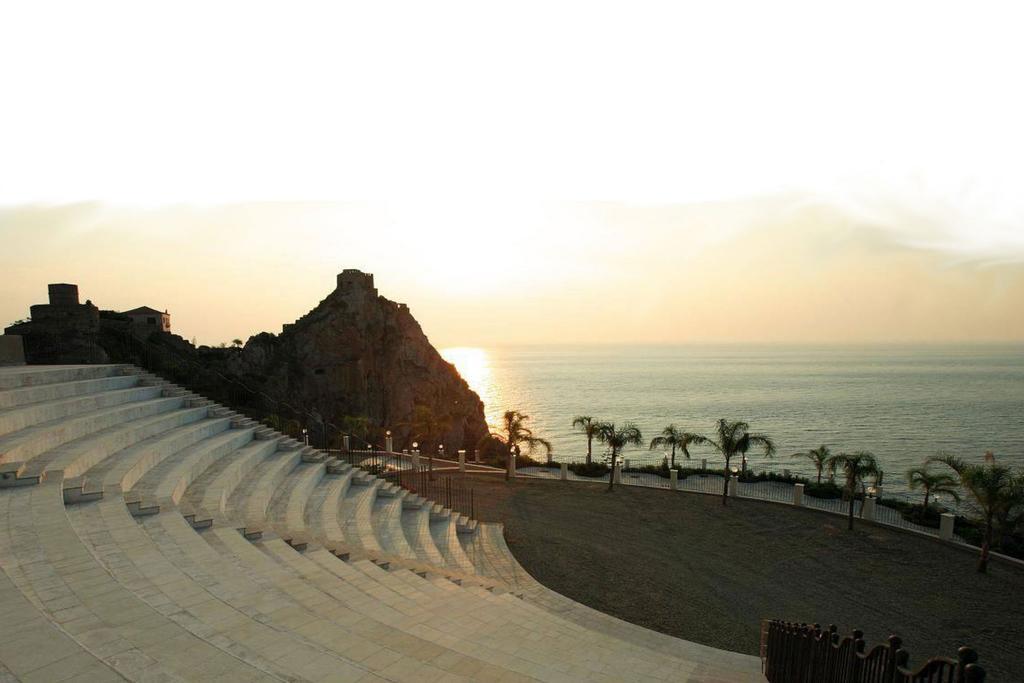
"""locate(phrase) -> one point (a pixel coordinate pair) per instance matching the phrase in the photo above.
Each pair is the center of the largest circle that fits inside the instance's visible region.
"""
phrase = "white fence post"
(476, 455)
(798, 494)
(673, 479)
(733, 480)
(389, 443)
(946, 523)
(462, 460)
(345, 442)
(512, 465)
(869, 508)
(564, 471)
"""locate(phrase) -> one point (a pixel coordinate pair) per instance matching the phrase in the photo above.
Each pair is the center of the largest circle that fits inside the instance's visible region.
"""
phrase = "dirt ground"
(682, 564)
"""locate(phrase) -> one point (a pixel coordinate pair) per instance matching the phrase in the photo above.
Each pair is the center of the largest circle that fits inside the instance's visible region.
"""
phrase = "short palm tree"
(617, 438)
(732, 439)
(932, 482)
(818, 457)
(995, 493)
(588, 425)
(670, 436)
(855, 467)
(514, 435)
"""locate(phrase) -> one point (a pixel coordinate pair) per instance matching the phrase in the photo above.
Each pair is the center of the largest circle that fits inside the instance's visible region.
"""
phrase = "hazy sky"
(532, 172)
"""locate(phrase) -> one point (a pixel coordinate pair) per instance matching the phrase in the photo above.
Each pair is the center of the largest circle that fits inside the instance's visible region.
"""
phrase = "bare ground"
(682, 564)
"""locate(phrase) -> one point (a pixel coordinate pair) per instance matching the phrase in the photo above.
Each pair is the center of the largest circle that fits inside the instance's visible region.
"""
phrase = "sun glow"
(474, 364)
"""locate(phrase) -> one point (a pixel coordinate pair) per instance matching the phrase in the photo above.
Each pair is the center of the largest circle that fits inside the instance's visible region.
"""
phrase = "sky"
(530, 173)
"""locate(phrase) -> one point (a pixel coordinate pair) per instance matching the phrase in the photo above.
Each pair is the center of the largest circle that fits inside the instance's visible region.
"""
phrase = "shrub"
(825, 489)
(659, 470)
(594, 469)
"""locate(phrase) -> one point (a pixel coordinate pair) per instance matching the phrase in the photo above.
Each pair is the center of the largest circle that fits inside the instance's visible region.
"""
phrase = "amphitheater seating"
(147, 533)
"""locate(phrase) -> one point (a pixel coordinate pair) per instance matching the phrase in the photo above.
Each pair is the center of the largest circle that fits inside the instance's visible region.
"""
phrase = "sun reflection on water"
(474, 364)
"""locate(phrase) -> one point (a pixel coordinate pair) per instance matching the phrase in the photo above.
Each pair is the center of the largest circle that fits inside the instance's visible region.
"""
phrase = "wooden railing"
(804, 653)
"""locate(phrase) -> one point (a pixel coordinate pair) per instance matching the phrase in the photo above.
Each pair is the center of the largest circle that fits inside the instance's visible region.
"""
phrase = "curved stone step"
(125, 468)
(34, 376)
(403, 621)
(321, 617)
(554, 643)
(416, 525)
(165, 483)
(210, 492)
(445, 536)
(92, 453)
(128, 551)
(286, 513)
(25, 444)
(25, 416)
(323, 514)
(247, 506)
(356, 513)
(24, 396)
(89, 604)
(386, 517)
(34, 648)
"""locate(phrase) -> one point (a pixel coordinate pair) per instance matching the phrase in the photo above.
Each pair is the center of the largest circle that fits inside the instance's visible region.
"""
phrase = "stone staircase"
(147, 533)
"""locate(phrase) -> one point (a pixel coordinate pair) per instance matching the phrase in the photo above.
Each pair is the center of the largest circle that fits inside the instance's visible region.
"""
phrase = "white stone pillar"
(462, 460)
(389, 444)
(946, 523)
(344, 442)
(415, 460)
(476, 455)
(869, 508)
(564, 467)
(798, 494)
(617, 473)
(733, 480)
(512, 465)
(673, 479)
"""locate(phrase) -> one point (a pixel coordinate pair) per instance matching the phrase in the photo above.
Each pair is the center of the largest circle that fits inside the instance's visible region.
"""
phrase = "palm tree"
(237, 343)
(588, 425)
(855, 467)
(735, 439)
(997, 495)
(616, 439)
(514, 435)
(670, 436)
(932, 482)
(818, 457)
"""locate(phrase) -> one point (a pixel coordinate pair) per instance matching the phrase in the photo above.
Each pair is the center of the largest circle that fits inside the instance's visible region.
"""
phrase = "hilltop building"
(149, 319)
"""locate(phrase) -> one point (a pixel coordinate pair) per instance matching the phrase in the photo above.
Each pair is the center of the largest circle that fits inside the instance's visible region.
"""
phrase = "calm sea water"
(901, 403)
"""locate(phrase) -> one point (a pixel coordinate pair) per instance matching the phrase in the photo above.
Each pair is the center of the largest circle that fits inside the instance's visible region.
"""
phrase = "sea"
(901, 403)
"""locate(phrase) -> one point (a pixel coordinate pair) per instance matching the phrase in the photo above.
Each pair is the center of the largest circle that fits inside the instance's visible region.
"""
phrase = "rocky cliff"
(360, 354)
(356, 355)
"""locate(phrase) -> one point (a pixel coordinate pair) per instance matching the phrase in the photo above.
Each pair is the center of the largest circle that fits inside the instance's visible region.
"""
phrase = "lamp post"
(388, 443)
(415, 456)
(305, 435)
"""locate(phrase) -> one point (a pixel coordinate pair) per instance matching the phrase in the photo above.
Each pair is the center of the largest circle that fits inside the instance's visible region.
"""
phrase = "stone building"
(148, 318)
(63, 330)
